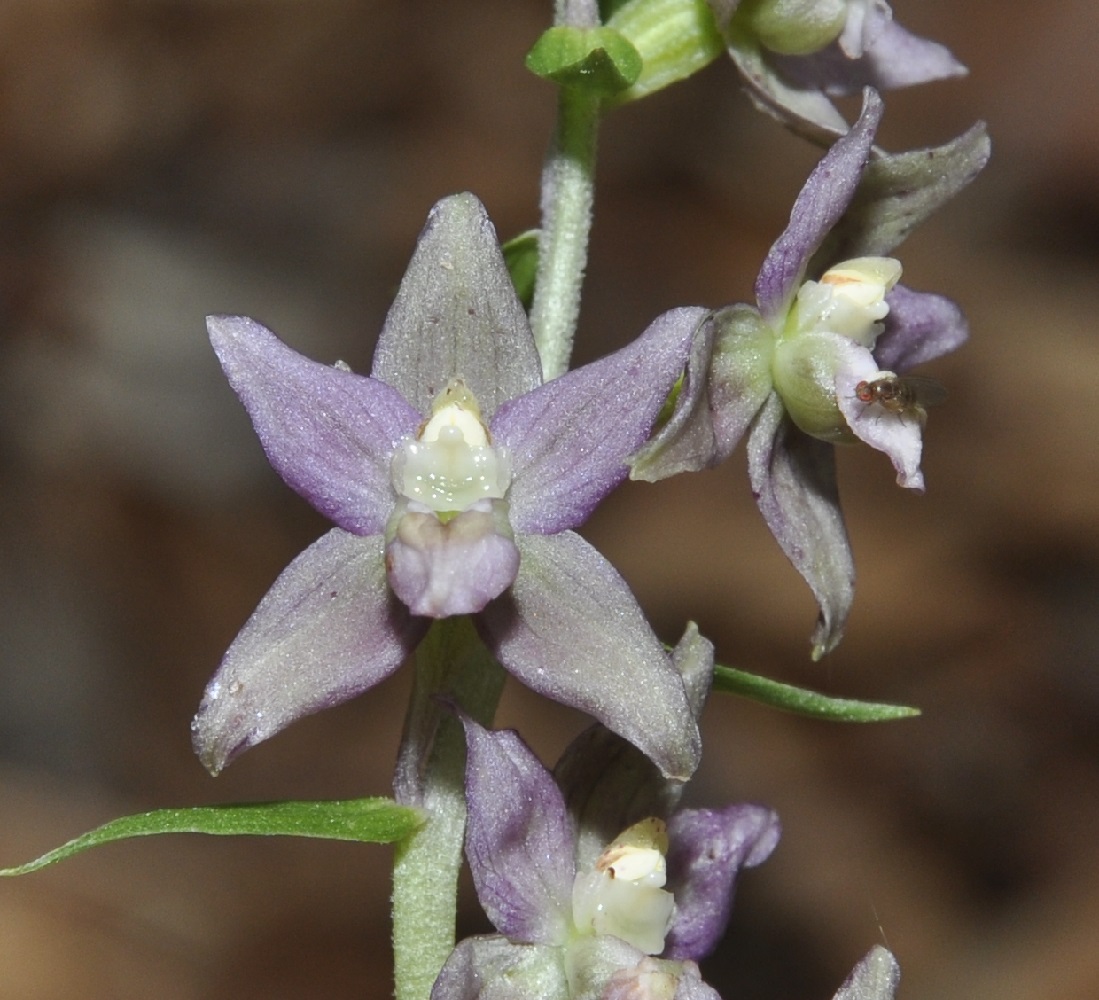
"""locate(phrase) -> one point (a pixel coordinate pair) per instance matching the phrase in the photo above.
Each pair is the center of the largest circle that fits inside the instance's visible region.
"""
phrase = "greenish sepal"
(598, 61)
(729, 680)
(804, 369)
(370, 821)
(521, 258)
(744, 348)
(793, 27)
(898, 191)
(676, 38)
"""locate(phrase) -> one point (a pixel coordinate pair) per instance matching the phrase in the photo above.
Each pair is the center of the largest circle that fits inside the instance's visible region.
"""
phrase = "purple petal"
(898, 435)
(329, 434)
(895, 59)
(326, 631)
(492, 968)
(822, 201)
(454, 568)
(686, 443)
(570, 438)
(456, 315)
(570, 629)
(875, 978)
(519, 839)
(919, 328)
(794, 482)
(707, 849)
(724, 391)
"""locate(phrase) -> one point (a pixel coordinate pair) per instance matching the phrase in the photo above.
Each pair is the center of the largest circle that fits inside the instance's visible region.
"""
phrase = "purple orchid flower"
(794, 56)
(813, 362)
(453, 476)
(580, 913)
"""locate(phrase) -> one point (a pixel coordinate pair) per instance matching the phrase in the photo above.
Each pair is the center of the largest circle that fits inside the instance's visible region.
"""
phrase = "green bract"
(599, 61)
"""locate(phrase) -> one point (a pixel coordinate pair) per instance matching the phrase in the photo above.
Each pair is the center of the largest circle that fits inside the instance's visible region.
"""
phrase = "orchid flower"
(795, 55)
(579, 913)
(800, 370)
(453, 476)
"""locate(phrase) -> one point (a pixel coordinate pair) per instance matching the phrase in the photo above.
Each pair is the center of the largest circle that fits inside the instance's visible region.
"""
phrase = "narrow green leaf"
(794, 699)
(371, 821)
(521, 257)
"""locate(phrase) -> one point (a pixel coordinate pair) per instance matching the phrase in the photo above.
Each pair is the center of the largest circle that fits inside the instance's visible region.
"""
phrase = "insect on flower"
(902, 394)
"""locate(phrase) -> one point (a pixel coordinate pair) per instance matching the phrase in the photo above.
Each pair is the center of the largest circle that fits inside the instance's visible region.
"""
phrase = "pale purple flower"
(566, 869)
(793, 58)
(453, 476)
(788, 370)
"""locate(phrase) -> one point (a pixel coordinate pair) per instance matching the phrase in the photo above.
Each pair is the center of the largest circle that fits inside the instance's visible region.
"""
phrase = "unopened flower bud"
(794, 27)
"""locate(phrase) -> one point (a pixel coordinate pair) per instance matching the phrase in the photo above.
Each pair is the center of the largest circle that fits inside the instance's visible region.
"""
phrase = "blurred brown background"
(164, 159)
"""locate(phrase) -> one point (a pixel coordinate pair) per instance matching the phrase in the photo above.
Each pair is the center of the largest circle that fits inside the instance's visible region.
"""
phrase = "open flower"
(580, 913)
(794, 56)
(453, 476)
(814, 361)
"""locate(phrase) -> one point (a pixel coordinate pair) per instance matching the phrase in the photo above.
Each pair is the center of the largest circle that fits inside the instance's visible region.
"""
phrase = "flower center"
(849, 299)
(452, 463)
(624, 895)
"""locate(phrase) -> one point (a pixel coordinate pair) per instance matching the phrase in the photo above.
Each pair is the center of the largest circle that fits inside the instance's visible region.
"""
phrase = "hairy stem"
(567, 196)
(453, 670)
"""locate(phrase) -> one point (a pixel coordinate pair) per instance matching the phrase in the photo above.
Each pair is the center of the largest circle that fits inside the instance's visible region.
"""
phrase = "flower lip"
(451, 566)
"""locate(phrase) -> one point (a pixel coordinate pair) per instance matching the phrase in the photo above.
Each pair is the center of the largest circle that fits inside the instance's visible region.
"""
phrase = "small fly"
(905, 395)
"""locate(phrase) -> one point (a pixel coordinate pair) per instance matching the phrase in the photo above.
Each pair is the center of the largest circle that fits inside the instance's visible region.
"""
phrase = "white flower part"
(849, 299)
(452, 464)
(898, 433)
(866, 19)
(624, 894)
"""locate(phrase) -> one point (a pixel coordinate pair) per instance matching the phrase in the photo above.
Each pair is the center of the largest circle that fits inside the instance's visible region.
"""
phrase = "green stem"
(453, 669)
(567, 198)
